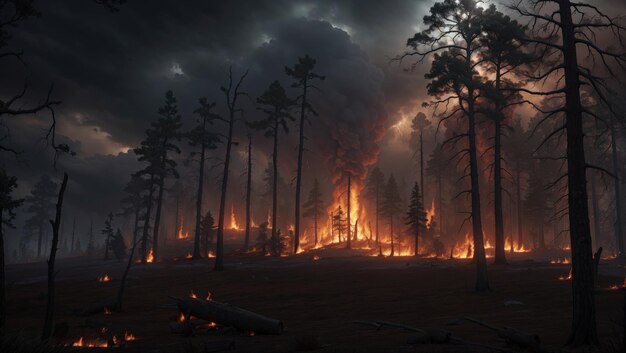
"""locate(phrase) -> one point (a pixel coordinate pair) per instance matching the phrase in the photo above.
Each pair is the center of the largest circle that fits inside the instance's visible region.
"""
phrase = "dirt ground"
(316, 299)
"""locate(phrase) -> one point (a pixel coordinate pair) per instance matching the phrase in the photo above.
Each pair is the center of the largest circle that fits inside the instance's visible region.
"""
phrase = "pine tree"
(262, 239)
(108, 233)
(339, 222)
(415, 216)
(207, 228)
(313, 206)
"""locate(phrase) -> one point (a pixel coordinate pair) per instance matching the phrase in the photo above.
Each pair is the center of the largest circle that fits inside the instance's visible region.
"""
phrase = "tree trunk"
(275, 179)
(595, 210)
(482, 283)
(157, 219)
(49, 318)
(219, 247)
(40, 240)
(500, 256)
(120, 292)
(618, 196)
(440, 193)
(349, 244)
(2, 274)
(248, 193)
(73, 235)
(196, 239)
(391, 233)
(422, 169)
(380, 249)
(518, 195)
(296, 234)
(146, 223)
(584, 315)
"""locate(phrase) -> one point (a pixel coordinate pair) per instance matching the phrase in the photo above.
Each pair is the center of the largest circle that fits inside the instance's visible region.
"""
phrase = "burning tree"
(415, 215)
(303, 74)
(452, 36)
(339, 222)
(577, 24)
(375, 186)
(391, 205)
(275, 104)
(200, 137)
(313, 206)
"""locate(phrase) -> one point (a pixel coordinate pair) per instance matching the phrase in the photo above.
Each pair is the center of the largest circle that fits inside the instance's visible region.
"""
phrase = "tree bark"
(584, 315)
(349, 244)
(619, 235)
(2, 275)
(196, 239)
(500, 255)
(595, 210)
(49, 318)
(296, 234)
(518, 195)
(248, 193)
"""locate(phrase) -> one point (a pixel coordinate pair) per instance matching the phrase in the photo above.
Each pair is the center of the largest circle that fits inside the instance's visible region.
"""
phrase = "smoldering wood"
(229, 315)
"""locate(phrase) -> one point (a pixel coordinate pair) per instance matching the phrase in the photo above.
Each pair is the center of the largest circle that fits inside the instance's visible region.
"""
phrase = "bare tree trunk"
(196, 238)
(2, 274)
(584, 315)
(120, 292)
(47, 324)
(349, 244)
(157, 218)
(440, 192)
(146, 223)
(619, 235)
(595, 209)
(249, 193)
(296, 233)
(500, 255)
(518, 195)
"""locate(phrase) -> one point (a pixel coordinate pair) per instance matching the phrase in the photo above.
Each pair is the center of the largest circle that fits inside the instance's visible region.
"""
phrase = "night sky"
(111, 71)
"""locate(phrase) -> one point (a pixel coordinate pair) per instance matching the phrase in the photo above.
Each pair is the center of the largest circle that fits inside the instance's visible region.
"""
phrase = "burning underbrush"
(109, 341)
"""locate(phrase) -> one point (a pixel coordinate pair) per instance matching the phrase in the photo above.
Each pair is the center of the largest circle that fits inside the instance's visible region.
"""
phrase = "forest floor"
(317, 300)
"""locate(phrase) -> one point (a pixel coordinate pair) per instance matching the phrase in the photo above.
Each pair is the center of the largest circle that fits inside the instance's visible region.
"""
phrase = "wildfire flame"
(269, 219)
(104, 278)
(566, 278)
(180, 234)
(210, 254)
(150, 258)
(129, 337)
(233, 220)
(192, 295)
(81, 343)
(188, 256)
(107, 311)
(563, 261)
(316, 257)
(430, 215)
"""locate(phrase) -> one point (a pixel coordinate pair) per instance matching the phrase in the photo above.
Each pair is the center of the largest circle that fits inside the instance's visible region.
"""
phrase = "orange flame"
(150, 258)
(566, 278)
(104, 278)
(180, 234)
(233, 220)
(107, 311)
(81, 343)
(430, 215)
(188, 256)
(210, 254)
(129, 337)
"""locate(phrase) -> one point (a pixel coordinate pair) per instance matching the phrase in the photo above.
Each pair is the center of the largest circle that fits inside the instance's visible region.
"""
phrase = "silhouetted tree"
(262, 239)
(39, 204)
(391, 205)
(246, 243)
(8, 204)
(453, 33)
(108, 233)
(207, 226)
(567, 75)
(415, 216)
(56, 223)
(313, 206)
(275, 104)
(232, 93)
(202, 138)
(339, 222)
(302, 73)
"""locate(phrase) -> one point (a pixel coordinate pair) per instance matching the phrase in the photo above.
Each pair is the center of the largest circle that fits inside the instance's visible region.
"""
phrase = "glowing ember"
(192, 295)
(563, 261)
(104, 278)
(210, 254)
(209, 296)
(188, 256)
(269, 219)
(181, 317)
(129, 337)
(316, 257)
(107, 311)
(619, 286)
(150, 257)
(233, 220)
(566, 278)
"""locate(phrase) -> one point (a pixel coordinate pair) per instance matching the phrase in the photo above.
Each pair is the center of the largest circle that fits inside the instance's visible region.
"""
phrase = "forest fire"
(233, 219)
(104, 278)
(91, 344)
(180, 234)
(566, 278)
(559, 261)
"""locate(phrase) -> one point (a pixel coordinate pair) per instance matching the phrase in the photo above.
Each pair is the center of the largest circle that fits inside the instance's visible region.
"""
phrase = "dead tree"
(576, 24)
(56, 223)
(248, 192)
(232, 93)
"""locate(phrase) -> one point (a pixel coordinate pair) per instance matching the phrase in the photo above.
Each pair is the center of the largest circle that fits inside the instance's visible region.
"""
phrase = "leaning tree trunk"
(275, 179)
(584, 312)
(196, 238)
(296, 234)
(47, 324)
(482, 283)
(120, 292)
(248, 193)
(618, 196)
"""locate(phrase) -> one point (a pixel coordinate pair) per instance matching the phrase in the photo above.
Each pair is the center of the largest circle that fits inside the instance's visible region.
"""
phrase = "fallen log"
(521, 339)
(229, 315)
